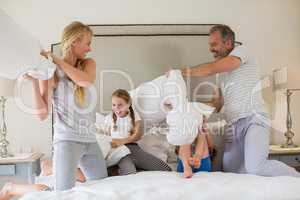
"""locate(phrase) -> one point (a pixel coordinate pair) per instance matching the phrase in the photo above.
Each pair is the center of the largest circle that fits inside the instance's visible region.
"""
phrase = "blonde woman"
(74, 141)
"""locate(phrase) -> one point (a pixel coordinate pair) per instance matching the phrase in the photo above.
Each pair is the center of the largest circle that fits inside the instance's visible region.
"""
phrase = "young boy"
(195, 157)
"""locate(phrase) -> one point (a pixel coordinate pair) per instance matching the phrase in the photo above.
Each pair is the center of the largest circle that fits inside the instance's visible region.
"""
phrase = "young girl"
(195, 157)
(124, 126)
(74, 142)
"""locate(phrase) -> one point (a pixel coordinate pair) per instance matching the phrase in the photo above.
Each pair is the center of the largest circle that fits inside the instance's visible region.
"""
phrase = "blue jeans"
(205, 166)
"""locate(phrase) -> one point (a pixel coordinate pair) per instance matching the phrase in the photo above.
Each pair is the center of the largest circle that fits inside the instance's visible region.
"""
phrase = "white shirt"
(124, 125)
(241, 88)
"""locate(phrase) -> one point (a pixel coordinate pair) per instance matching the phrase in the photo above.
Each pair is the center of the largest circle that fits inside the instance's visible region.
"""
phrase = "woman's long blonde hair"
(72, 32)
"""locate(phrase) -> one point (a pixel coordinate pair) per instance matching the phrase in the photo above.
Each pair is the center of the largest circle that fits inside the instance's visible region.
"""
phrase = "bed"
(171, 185)
(128, 55)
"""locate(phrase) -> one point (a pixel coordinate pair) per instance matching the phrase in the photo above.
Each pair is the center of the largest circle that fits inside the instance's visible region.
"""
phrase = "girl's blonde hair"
(72, 32)
(123, 94)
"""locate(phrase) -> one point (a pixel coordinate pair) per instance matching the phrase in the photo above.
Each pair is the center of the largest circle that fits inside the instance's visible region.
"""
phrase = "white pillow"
(184, 125)
(100, 119)
(150, 97)
(185, 119)
(116, 154)
(147, 100)
(43, 71)
(20, 52)
(174, 91)
(111, 155)
(104, 142)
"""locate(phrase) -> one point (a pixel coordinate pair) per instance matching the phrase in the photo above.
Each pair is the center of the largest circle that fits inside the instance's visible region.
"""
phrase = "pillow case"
(147, 101)
(149, 98)
(184, 118)
(20, 52)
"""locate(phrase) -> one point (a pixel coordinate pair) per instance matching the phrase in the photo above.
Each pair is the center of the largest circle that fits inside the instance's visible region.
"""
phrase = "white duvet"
(171, 185)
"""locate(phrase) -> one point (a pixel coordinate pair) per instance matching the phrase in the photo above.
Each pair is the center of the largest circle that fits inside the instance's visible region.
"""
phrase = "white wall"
(270, 28)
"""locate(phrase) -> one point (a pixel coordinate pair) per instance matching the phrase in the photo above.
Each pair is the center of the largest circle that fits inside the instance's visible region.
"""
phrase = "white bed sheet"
(171, 185)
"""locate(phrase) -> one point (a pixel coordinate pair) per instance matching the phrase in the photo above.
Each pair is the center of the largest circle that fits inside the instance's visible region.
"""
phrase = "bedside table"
(290, 156)
(21, 168)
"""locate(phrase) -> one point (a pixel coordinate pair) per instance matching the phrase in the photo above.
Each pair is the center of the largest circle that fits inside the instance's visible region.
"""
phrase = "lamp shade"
(287, 78)
(7, 87)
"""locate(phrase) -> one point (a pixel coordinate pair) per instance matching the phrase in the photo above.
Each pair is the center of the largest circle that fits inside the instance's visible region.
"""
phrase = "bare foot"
(187, 173)
(5, 192)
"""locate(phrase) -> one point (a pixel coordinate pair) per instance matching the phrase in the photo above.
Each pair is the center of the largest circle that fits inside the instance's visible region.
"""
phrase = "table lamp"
(288, 79)
(6, 90)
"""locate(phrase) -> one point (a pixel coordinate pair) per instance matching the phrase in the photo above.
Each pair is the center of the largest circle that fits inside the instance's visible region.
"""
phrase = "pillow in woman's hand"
(20, 52)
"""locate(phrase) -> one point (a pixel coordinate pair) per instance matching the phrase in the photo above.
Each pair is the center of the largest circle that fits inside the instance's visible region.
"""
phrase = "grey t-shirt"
(72, 122)
(241, 88)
